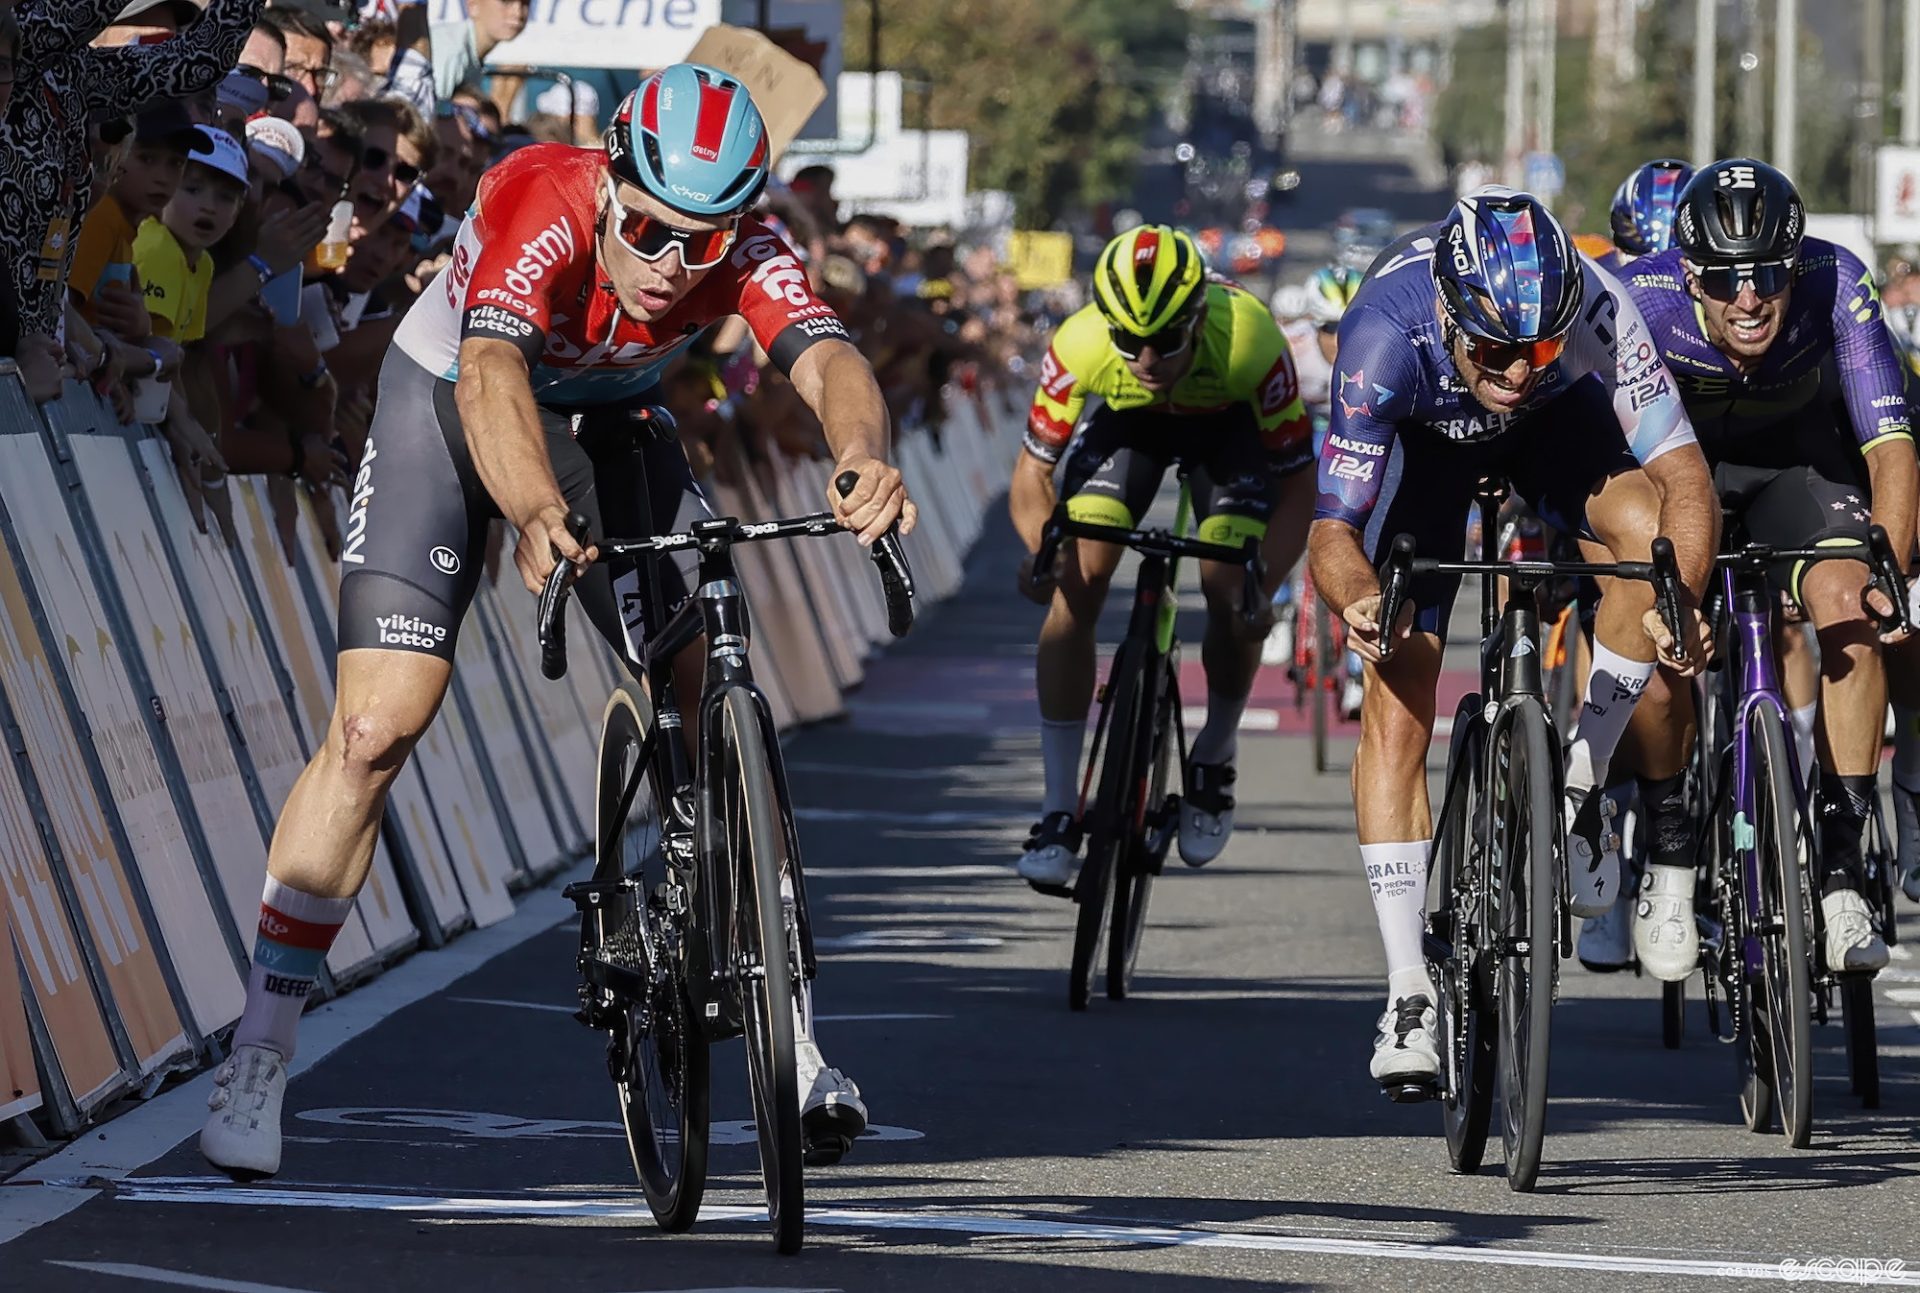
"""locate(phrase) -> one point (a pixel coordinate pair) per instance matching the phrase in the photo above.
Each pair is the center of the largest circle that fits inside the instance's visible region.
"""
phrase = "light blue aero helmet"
(691, 136)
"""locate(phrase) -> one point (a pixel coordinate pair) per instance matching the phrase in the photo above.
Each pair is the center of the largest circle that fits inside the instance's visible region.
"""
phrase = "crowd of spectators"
(218, 211)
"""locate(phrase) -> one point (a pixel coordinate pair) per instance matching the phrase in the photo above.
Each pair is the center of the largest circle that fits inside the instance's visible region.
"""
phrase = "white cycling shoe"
(1593, 852)
(832, 1115)
(1406, 1052)
(1053, 851)
(1278, 647)
(1853, 944)
(1206, 812)
(1352, 692)
(242, 1135)
(1606, 940)
(1665, 936)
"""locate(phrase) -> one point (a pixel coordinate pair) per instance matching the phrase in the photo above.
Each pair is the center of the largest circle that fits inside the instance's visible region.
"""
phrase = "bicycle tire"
(666, 1114)
(1103, 831)
(1133, 879)
(1781, 1002)
(1526, 873)
(1673, 1014)
(1467, 1032)
(765, 949)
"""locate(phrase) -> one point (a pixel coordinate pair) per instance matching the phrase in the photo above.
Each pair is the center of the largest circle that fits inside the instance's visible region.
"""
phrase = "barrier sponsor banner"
(508, 753)
(104, 896)
(625, 34)
(381, 902)
(19, 1084)
(273, 746)
(195, 940)
(824, 594)
(572, 736)
(563, 813)
(166, 642)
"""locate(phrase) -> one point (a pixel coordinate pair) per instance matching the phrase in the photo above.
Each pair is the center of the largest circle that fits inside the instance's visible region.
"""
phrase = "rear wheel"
(765, 958)
(1107, 822)
(1526, 874)
(658, 1058)
(1467, 1032)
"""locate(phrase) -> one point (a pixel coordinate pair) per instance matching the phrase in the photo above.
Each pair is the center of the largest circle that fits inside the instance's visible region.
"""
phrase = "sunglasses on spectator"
(323, 76)
(1499, 356)
(279, 88)
(650, 239)
(467, 116)
(377, 159)
(1724, 282)
(1166, 343)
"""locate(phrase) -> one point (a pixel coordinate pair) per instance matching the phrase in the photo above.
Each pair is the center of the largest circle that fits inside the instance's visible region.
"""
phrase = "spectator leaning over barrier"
(44, 149)
(460, 48)
(389, 166)
(101, 279)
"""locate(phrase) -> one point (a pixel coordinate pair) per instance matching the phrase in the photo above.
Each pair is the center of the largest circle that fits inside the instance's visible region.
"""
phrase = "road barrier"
(161, 689)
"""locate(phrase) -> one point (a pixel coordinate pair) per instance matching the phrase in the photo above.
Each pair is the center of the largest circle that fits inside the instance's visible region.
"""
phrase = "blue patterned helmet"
(1505, 268)
(691, 136)
(1643, 206)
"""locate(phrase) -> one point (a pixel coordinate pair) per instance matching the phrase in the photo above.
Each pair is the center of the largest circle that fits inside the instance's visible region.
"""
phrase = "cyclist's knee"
(368, 749)
(385, 701)
(1625, 515)
(1830, 591)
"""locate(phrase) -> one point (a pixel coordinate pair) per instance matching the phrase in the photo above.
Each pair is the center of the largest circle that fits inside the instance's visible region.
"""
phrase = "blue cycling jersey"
(1833, 314)
(1394, 375)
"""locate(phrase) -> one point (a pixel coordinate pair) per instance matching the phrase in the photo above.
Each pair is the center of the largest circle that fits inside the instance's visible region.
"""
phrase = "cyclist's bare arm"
(1031, 498)
(495, 397)
(1293, 496)
(838, 384)
(1346, 581)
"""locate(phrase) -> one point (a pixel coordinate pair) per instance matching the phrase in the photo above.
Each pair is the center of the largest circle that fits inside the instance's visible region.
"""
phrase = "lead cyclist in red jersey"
(515, 389)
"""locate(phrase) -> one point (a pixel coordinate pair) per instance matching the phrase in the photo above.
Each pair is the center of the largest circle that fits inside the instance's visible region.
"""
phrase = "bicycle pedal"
(1051, 890)
(1411, 1092)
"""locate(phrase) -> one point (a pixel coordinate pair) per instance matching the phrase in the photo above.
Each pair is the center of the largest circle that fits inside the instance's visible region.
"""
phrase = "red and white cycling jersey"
(523, 270)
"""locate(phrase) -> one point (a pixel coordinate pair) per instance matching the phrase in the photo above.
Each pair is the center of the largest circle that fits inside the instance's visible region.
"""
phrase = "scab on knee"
(373, 748)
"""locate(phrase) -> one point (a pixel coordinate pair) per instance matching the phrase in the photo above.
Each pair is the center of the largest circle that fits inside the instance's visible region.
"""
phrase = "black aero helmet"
(1739, 211)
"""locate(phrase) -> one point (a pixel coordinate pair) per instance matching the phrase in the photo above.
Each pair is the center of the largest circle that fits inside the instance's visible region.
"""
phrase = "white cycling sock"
(1803, 720)
(1060, 746)
(296, 929)
(1397, 876)
(1219, 738)
(1613, 689)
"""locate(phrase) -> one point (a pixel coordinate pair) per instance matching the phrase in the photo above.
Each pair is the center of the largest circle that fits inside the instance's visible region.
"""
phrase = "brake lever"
(553, 604)
(1666, 597)
(1394, 579)
(1890, 580)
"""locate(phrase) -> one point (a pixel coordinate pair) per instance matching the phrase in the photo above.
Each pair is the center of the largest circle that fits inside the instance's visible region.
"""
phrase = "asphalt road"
(1217, 1131)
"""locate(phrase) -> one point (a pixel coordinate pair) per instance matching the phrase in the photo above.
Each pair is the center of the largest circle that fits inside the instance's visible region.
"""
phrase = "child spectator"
(170, 251)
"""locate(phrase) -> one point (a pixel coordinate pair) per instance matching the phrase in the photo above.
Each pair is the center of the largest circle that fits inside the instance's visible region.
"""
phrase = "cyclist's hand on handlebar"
(877, 501)
(1699, 641)
(1363, 633)
(1880, 609)
(538, 539)
(1036, 586)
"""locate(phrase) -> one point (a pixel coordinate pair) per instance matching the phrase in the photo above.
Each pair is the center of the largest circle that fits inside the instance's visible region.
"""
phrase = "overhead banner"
(632, 35)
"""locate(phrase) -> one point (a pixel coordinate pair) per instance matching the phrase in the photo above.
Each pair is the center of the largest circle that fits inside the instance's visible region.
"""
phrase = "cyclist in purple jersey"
(1487, 345)
(1758, 324)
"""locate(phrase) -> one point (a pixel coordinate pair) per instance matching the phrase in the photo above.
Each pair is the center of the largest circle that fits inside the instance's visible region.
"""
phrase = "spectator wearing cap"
(171, 251)
(46, 164)
(163, 138)
(460, 49)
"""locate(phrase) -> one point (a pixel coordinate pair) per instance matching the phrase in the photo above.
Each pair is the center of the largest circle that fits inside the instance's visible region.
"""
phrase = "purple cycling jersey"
(1833, 313)
(1393, 375)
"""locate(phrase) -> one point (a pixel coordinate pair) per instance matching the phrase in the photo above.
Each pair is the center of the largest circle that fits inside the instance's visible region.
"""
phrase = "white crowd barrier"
(162, 688)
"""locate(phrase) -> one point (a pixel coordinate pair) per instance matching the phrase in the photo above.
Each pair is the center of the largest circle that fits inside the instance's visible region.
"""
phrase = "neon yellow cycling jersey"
(1242, 357)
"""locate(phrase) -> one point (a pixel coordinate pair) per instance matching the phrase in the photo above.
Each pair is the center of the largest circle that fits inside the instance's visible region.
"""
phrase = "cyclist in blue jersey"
(1642, 215)
(1487, 345)
(1759, 325)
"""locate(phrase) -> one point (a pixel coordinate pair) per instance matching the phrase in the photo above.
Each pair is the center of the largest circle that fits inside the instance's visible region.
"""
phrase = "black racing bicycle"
(1497, 921)
(694, 925)
(1134, 813)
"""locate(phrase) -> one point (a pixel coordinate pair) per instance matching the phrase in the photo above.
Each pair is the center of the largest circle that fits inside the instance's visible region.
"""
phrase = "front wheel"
(655, 1050)
(1525, 860)
(1456, 961)
(1776, 958)
(1863, 1049)
(1107, 822)
(1155, 818)
(764, 960)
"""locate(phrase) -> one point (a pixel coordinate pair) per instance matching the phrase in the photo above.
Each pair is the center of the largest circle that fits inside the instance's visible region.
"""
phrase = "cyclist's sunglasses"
(1723, 282)
(1166, 343)
(1500, 355)
(650, 239)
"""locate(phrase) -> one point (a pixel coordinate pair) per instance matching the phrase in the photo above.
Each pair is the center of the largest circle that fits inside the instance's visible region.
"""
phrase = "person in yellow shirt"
(163, 138)
(171, 251)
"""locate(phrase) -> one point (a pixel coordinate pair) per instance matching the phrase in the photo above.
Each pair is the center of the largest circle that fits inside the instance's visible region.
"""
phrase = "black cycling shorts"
(417, 523)
(1118, 459)
(1554, 459)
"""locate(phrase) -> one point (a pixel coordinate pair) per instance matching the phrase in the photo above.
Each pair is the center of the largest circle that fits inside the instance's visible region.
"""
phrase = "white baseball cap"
(227, 157)
(277, 143)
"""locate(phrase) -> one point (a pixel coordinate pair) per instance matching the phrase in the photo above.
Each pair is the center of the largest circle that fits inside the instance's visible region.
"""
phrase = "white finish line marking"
(882, 817)
(217, 1190)
(568, 1010)
(185, 1279)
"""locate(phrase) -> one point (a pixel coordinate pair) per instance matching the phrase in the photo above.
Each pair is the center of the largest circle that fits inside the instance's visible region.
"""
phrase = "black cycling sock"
(1669, 824)
(1844, 803)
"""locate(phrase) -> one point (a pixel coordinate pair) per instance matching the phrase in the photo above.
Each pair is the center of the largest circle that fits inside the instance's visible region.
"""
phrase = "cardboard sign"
(785, 89)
